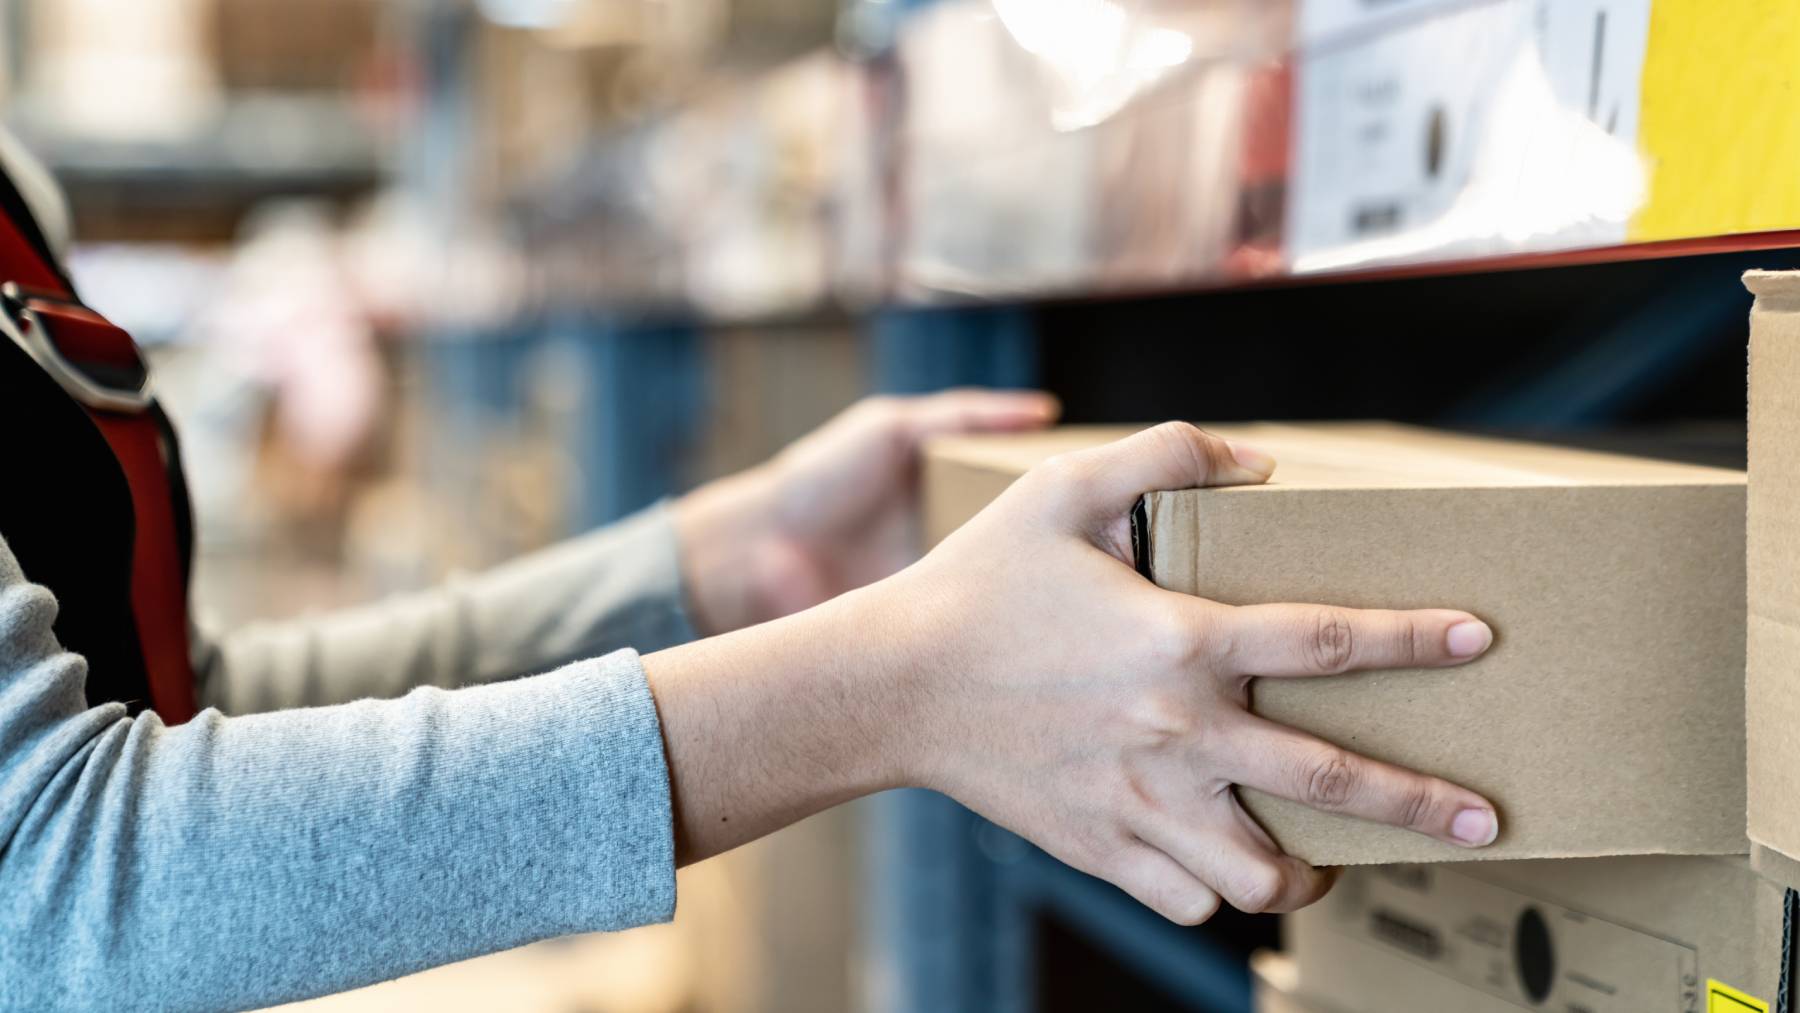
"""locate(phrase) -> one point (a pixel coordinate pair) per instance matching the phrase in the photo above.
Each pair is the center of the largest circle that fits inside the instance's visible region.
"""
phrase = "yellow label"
(1716, 120)
(1722, 998)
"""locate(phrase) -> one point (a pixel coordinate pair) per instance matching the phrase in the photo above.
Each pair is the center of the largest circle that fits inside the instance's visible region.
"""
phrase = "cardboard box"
(1608, 717)
(1601, 935)
(1772, 671)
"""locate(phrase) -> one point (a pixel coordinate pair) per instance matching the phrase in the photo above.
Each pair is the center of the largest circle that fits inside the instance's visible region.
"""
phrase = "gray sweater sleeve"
(616, 587)
(238, 862)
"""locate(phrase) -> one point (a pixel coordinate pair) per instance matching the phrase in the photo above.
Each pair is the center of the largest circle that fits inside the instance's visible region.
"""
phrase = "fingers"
(1174, 455)
(1161, 884)
(973, 411)
(1283, 640)
(1238, 862)
(1276, 759)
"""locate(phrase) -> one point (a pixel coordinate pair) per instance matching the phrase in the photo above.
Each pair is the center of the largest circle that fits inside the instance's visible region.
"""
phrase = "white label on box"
(1503, 127)
(1517, 948)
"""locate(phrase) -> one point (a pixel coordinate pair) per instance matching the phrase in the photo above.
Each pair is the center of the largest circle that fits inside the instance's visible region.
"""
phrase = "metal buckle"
(27, 329)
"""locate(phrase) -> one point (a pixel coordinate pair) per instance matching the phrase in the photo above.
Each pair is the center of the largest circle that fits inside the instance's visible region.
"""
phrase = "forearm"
(768, 725)
(616, 587)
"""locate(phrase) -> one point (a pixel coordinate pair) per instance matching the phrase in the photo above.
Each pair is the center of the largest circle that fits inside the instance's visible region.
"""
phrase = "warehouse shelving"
(995, 153)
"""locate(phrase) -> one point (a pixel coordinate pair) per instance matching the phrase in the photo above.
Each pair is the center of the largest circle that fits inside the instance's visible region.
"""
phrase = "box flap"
(1772, 670)
(1779, 287)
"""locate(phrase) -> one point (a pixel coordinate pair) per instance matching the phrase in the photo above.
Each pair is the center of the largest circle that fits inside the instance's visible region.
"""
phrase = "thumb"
(1174, 455)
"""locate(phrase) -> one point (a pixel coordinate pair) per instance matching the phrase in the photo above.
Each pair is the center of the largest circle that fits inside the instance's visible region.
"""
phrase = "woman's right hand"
(1063, 696)
(1026, 669)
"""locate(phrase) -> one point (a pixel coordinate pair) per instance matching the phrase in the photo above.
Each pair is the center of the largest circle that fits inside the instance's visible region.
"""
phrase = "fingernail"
(1475, 827)
(1251, 458)
(1468, 638)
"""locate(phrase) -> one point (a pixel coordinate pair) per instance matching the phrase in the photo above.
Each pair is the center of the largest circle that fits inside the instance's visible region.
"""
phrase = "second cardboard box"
(1611, 935)
(1608, 717)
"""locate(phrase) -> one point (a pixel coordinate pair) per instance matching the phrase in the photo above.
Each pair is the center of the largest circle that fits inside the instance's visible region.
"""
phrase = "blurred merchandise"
(136, 71)
(994, 196)
(264, 45)
(1487, 130)
(171, 119)
(282, 313)
(1001, 149)
(724, 209)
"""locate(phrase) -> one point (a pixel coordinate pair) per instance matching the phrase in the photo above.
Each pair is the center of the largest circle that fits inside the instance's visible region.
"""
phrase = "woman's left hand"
(834, 511)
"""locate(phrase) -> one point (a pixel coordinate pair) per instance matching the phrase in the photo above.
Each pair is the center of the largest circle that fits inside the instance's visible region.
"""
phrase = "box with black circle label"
(1604, 935)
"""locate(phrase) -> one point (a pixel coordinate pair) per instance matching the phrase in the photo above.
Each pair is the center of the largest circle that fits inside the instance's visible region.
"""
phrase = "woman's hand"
(1024, 668)
(1107, 720)
(834, 511)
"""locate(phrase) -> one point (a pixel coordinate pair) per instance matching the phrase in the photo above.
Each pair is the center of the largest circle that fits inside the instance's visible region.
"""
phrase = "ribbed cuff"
(634, 825)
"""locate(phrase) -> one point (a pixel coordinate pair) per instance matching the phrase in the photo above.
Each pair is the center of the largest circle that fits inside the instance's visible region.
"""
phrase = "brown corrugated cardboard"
(1772, 672)
(1602, 935)
(1607, 718)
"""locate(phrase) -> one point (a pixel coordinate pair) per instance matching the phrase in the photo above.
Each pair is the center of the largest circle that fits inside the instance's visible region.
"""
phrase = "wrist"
(719, 528)
(900, 693)
(765, 726)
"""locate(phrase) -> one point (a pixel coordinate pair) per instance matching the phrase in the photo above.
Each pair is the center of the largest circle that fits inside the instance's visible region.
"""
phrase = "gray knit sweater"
(246, 860)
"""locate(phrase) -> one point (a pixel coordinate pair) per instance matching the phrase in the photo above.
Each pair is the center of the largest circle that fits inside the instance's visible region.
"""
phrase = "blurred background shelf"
(201, 185)
(985, 150)
(739, 161)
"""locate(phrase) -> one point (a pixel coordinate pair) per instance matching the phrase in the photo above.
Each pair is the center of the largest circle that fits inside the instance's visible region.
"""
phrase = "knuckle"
(1258, 888)
(1163, 719)
(1174, 634)
(1100, 853)
(1211, 635)
(1330, 641)
(1207, 751)
(1415, 806)
(1059, 468)
(1191, 907)
(1067, 473)
(1103, 858)
(1416, 642)
(1186, 445)
(1329, 780)
(1183, 432)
